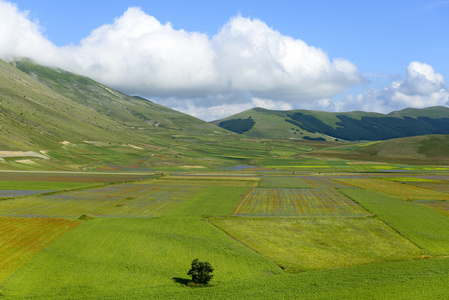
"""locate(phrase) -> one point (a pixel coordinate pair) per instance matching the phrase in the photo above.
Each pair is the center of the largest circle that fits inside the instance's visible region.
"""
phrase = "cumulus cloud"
(20, 37)
(139, 55)
(230, 105)
(244, 65)
(422, 87)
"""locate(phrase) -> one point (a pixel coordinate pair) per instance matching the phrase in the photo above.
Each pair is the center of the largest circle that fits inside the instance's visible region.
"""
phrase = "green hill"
(53, 119)
(350, 126)
(130, 111)
(426, 149)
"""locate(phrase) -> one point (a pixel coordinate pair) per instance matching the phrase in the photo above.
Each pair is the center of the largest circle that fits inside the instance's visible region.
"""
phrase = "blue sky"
(378, 55)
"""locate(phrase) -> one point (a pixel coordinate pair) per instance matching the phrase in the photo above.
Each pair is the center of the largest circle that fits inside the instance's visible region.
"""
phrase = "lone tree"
(200, 272)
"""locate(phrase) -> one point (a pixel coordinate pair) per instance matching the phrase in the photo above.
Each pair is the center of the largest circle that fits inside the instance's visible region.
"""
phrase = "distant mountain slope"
(350, 126)
(34, 116)
(109, 102)
(55, 120)
(427, 149)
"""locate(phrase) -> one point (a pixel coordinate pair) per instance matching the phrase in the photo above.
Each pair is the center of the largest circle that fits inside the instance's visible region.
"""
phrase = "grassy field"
(310, 235)
(296, 202)
(283, 182)
(22, 238)
(301, 244)
(396, 189)
(135, 200)
(421, 225)
(121, 255)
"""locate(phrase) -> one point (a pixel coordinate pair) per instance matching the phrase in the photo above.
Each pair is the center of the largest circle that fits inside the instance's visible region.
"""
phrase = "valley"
(108, 196)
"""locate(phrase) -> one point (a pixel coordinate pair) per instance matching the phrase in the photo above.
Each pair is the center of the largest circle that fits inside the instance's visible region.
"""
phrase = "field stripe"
(296, 202)
(421, 225)
(21, 238)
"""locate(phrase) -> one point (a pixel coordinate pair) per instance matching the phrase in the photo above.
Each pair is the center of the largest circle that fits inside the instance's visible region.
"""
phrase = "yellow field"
(21, 238)
(396, 189)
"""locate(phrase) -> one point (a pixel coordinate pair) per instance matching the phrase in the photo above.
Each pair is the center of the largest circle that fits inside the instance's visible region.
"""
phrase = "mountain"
(130, 111)
(53, 119)
(349, 126)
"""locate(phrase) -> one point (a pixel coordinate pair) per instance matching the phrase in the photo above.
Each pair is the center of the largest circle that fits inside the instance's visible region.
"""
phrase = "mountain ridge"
(350, 126)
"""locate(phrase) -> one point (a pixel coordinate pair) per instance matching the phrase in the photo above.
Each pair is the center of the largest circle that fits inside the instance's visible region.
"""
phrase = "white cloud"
(139, 55)
(253, 57)
(20, 37)
(245, 64)
(229, 107)
(422, 87)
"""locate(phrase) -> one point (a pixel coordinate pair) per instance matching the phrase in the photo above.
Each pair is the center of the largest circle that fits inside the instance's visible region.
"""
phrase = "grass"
(296, 202)
(396, 189)
(283, 182)
(22, 238)
(440, 206)
(212, 180)
(119, 255)
(424, 227)
(42, 185)
(410, 179)
(61, 178)
(211, 201)
(324, 182)
(115, 200)
(301, 244)
(114, 256)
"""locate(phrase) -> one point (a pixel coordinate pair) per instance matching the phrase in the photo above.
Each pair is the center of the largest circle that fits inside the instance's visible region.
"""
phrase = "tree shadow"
(183, 281)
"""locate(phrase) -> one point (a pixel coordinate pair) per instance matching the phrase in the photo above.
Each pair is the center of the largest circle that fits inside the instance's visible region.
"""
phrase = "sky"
(212, 59)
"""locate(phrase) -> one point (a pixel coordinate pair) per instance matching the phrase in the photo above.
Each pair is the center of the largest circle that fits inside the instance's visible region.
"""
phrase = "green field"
(120, 255)
(296, 202)
(301, 244)
(283, 182)
(396, 189)
(421, 225)
(135, 200)
(22, 238)
(308, 236)
(116, 200)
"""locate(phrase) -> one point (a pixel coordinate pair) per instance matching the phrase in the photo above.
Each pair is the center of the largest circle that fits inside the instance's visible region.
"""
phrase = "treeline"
(238, 125)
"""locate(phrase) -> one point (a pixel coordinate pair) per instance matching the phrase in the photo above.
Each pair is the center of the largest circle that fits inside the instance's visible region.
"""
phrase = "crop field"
(116, 256)
(283, 182)
(43, 185)
(212, 180)
(297, 202)
(441, 206)
(18, 193)
(70, 177)
(115, 200)
(435, 186)
(322, 182)
(269, 234)
(396, 189)
(424, 227)
(21, 238)
(211, 201)
(300, 244)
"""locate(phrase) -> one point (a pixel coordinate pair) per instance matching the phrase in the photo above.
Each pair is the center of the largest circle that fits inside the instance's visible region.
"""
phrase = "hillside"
(132, 111)
(53, 119)
(427, 149)
(350, 126)
(56, 120)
